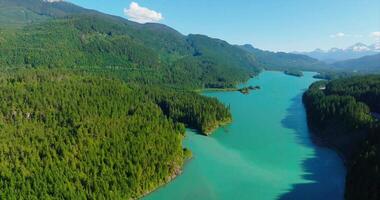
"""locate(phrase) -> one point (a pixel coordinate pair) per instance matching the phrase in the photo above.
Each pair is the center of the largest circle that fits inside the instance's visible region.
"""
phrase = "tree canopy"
(344, 113)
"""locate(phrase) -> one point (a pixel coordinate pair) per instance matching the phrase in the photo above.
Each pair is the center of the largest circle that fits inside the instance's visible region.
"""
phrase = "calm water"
(266, 153)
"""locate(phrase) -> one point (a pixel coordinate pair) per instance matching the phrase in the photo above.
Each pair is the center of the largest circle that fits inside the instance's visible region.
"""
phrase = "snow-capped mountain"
(375, 46)
(358, 47)
(352, 52)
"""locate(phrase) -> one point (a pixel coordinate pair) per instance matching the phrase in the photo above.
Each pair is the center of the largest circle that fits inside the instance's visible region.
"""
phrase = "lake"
(266, 153)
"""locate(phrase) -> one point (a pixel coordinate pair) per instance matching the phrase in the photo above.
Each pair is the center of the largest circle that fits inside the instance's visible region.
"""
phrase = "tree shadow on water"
(324, 169)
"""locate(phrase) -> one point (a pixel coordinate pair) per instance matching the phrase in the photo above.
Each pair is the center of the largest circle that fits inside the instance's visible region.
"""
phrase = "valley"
(98, 106)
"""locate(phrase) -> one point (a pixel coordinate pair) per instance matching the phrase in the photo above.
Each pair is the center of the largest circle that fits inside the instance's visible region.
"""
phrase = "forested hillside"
(94, 106)
(343, 113)
(285, 61)
(18, 13)
(144, 53)
(366, 64)
(85, 137)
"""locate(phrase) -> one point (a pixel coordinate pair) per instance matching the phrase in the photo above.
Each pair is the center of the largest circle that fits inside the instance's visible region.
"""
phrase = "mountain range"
(285, 61)
(336, 54)
(61, 34)
(95, 106)
(58, 34)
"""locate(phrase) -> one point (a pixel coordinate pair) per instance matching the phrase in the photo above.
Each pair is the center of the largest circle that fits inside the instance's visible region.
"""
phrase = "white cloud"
(141, 14)
(375, 35)
(338, 35)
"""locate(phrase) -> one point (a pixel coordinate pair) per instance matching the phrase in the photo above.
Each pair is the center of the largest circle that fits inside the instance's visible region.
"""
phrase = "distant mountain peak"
(319, 50)
(376, 46)
(359, 44)
(339, 54)
(334, 50)
(248, 45)
(359, 47)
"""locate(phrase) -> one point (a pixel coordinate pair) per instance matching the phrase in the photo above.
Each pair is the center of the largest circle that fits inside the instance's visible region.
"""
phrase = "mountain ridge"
(339, 54)
(285, 61)
(75, 37)
(366, 64)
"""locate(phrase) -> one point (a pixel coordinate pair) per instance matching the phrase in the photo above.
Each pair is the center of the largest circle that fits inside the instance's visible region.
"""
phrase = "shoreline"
(325, 143)
(216, 90)
(178, 172)
(219, 125)
(171, 178)
(316, 140)
(243, 90)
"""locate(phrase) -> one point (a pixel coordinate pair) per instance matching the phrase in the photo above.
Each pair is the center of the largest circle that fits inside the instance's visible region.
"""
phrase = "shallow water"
(266, 153)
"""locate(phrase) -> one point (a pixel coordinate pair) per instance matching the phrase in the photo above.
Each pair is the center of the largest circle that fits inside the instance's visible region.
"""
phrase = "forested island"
(243, 90)
(247, 90)
(340, 114)
(294, 73)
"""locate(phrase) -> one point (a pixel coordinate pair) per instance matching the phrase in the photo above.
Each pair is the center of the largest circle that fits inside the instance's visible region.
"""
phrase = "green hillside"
(145, 53)
(18, 13)
(154, 53)
(366, 64)
(95, 106)
(285, 61)
(18, 17)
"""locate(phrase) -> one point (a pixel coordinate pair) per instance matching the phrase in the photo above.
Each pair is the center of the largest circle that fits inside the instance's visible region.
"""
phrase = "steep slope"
(366, 64)
(285, 61)
(150, 53)
(17, 17)
(17, 13)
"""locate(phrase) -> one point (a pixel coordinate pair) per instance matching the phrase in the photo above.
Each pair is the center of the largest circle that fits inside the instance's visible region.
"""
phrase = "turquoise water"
(266, 153)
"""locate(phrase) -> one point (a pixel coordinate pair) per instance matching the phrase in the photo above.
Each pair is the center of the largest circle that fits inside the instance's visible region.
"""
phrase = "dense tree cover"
(86, 137)
(364, 88)
(292, 72)
(43, 8)
(366, 64)
(363, 179)
(334, 109)
(71, 130)
(198, 112)
(285, 61)
(12, 17)
(331, 75)
(341, 112)
(149, 52)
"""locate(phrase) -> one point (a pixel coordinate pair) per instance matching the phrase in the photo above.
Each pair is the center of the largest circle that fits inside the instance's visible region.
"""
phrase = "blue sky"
(278, 25)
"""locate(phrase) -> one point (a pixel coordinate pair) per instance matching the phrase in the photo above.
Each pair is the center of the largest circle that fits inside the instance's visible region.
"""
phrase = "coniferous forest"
(344, 114)
(94, 106)
(83, 137)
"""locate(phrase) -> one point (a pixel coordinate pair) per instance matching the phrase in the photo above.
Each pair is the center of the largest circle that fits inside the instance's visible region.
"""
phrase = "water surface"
(266, 153)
